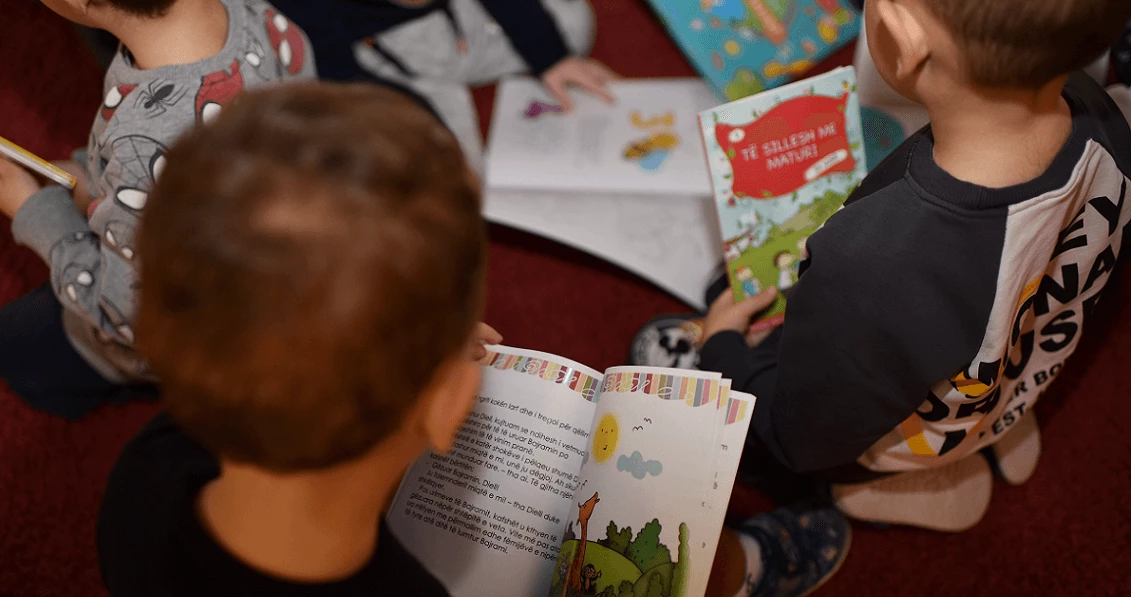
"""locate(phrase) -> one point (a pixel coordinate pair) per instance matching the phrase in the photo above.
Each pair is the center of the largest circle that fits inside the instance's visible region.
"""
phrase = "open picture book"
(627, 183)
(567, 481)
(648, 142)
(782, 163)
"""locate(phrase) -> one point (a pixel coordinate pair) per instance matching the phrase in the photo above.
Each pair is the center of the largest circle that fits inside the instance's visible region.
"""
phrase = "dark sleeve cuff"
(541, 59)
(531, 30)
(724, 353)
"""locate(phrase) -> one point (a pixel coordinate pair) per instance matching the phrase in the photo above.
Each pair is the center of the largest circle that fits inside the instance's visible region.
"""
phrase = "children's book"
(646, 143)
(782, 162)
(743, 47)
(566, 481)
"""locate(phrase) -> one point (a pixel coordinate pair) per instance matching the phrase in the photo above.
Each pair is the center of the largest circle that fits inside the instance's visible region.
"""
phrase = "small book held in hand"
(782, 162)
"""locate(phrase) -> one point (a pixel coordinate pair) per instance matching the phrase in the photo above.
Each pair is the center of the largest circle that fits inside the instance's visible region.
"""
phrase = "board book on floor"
(743, 47)
(568, 481)
(782, 162)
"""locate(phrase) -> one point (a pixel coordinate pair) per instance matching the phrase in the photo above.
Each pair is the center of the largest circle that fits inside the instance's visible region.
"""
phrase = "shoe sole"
(836, 567)
(951, 499)
(1019, 451)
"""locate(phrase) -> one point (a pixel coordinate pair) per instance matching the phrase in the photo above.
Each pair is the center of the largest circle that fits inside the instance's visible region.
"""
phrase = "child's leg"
(424, 56)
(784, 553)
(40, 365)
(439, 58)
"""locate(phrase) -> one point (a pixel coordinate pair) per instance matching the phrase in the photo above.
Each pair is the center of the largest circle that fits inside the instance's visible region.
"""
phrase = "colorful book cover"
(782, 162)
(743, 47)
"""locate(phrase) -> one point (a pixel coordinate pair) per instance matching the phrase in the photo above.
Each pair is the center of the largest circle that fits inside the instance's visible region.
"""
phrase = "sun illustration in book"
(606, 438)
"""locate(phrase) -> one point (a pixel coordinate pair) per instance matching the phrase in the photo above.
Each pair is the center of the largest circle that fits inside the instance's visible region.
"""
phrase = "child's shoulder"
(262, 47)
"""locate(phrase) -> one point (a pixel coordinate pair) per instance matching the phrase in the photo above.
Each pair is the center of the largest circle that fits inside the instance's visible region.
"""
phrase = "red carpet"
(1068, 532)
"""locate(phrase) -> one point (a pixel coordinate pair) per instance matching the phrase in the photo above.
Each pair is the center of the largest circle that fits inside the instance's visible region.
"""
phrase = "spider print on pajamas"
(157, 97)
(216, 90)
(141, 160)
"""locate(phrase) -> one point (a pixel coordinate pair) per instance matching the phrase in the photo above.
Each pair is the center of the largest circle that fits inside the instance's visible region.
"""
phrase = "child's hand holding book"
(727, 315)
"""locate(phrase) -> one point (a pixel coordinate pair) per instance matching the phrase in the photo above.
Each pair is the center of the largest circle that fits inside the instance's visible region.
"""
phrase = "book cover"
(743, 47)
(782, 162)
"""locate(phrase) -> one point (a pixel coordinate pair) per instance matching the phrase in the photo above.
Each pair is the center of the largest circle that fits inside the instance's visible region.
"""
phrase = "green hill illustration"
(623, 565)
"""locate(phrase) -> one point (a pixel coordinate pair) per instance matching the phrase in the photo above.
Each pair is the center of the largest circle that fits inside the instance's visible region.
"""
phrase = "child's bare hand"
(16, 187)
(483, 334)
(82, 190)
(587, 73)
(727, 315)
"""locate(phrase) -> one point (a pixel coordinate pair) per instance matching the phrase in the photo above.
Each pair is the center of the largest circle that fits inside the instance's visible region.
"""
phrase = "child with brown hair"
(68, 346)
(314, 272)
(313, 276)
(935, 308)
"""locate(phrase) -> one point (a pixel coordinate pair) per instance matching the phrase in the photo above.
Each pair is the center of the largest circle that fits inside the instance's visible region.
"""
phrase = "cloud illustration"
(637, 467)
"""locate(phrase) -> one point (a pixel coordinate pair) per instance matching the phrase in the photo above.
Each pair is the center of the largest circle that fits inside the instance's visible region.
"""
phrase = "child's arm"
(531, 30)
(93, 272)
(873, 323)
(81, 192)
(536, 37)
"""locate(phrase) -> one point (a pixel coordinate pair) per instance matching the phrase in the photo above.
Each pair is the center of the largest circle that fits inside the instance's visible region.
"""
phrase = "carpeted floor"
(1068, 532)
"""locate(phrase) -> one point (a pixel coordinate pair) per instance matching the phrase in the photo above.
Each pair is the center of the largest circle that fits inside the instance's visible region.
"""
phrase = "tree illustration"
(626, 589)
(646, 551)
(608, 592)
(617, 540)
(679, 571)
(655, 586)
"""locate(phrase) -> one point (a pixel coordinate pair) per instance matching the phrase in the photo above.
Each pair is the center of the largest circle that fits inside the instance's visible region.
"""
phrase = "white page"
(648, 143)
(499, 534)
(650, 463)
(670, 241)
(736, 416)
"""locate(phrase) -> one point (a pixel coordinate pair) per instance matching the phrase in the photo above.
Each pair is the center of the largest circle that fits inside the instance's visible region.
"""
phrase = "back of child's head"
(1029, 43)
(309, 260)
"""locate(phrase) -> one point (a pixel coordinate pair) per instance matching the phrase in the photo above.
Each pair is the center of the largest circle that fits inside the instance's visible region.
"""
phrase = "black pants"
(40, 365)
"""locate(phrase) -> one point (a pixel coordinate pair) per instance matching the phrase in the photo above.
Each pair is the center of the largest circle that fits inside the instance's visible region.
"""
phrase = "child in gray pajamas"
(68, 346)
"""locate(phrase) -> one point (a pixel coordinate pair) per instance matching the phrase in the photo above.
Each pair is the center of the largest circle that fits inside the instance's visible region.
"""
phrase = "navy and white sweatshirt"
(932, 313)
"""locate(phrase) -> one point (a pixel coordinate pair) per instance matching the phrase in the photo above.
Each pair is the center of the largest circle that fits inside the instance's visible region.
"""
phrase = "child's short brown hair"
(143, 8)
(1027, 43)
(309, 261)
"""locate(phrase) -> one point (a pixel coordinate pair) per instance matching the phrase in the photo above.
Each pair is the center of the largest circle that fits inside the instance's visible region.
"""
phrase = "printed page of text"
(488, 518)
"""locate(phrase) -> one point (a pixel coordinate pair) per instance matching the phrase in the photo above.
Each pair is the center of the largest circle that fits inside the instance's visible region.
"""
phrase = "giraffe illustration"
(572, 583)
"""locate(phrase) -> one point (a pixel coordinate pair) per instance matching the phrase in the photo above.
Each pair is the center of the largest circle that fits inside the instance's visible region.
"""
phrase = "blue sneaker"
(800, 550)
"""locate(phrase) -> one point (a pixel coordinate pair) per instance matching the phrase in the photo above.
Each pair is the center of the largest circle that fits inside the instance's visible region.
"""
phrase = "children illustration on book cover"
(743, 47)
(781, 164)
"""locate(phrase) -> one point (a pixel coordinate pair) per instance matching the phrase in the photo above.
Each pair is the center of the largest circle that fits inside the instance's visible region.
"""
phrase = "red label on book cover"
(788, 147)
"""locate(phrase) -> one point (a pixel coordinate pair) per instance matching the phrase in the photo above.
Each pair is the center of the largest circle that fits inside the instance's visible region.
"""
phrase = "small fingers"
(487, 334)
(759, 302)
(558, 89)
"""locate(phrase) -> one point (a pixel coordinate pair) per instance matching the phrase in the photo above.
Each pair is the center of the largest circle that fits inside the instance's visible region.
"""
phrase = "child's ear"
(448, 401)
(906, 31)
